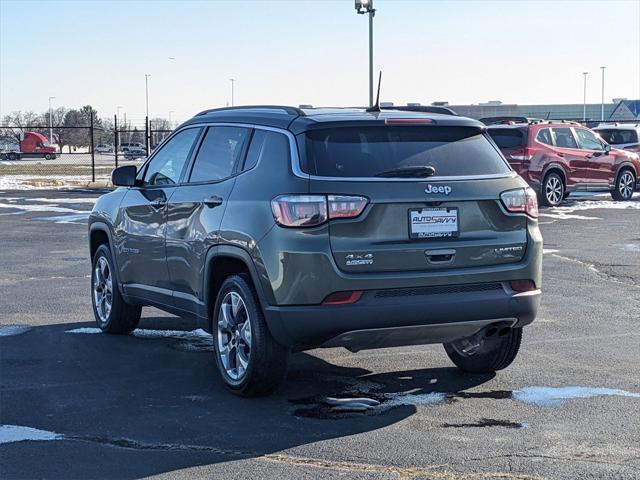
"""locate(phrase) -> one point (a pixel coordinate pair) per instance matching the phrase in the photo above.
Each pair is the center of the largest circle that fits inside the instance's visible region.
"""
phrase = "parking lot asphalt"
(88, 405)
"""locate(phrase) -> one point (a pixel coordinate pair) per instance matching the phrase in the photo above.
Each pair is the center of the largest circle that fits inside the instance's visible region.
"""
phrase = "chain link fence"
(43, 156)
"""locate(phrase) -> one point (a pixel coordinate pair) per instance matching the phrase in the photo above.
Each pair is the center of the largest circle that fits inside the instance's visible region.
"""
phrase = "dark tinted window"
(166, 166)
(368, 151)
(618, 136)
(220, 151)
(544, 136)
(563, 138)
(267, 146)
(508, 137)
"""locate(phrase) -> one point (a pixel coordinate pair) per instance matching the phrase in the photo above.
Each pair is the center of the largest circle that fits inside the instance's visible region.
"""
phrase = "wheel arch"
(99, 234)
(627, 166)
(224, 260)
(554, 168)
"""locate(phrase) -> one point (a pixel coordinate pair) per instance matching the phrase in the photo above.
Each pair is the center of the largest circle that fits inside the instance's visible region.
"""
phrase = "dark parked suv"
(559, 157)
(283, 229)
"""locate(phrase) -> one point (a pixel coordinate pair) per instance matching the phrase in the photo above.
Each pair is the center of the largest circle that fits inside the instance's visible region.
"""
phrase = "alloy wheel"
(625, 185)
(234, 336)
(553, 190)
(102, 289)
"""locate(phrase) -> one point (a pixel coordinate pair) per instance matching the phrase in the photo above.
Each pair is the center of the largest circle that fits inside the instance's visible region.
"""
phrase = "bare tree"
(19, 122)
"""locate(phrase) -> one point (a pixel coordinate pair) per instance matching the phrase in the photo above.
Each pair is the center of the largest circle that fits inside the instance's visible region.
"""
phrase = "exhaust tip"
(490, 332)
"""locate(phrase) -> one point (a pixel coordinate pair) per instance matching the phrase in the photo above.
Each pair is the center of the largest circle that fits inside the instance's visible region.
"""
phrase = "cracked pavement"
(130, 407)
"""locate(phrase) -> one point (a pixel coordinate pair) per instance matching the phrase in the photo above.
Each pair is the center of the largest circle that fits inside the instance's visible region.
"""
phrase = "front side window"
(563, 138)
(166, 166)
(588, 141)
(221, 149)
(372, 151)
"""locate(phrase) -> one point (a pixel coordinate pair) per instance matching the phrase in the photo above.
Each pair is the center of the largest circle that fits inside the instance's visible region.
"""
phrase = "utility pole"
(51, 121)
(602, 104)
(233, 81)
(366, 7)
(584, 97)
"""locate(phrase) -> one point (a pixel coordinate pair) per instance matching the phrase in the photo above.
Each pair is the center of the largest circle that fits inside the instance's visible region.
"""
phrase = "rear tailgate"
(452, 220)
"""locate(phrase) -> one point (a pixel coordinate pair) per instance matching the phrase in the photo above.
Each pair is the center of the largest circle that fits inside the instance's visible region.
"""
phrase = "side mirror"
(124, 176)
(607, 148)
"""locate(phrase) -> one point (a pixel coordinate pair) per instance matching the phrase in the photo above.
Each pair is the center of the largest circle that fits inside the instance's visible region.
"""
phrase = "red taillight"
(342, 206)
(525, 157)
(409, 121)
(343, 298)
(522, 285)
(314, 210)
(521, 200)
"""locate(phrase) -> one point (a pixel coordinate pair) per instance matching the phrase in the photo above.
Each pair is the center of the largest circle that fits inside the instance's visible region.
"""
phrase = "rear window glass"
(369, 151)
(618, 136)
(508, 137)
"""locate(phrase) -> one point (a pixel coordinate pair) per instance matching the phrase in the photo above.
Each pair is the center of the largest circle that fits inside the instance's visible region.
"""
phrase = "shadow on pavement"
(130, 407)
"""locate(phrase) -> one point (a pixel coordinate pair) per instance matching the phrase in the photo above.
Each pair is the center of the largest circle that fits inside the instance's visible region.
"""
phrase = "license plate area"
(440, 222)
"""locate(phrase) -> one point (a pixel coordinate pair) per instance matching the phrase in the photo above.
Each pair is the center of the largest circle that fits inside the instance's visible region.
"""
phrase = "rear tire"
(13, 156)
(112, 313)
(625, 185)
(252, 363)
(47, 156)
(491, 354)
(552, 190)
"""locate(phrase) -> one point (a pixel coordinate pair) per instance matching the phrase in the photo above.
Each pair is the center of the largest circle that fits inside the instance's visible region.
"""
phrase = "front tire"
(625, 185)
(250, 361)
(485, 355)
(552, 190)
(112, 313)
(47, 156)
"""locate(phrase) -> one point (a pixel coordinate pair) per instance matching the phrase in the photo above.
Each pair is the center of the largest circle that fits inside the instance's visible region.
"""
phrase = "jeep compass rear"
(333, 227)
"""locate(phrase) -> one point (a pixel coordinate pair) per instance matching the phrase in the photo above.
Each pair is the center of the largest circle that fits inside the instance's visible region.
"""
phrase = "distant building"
(620, 109)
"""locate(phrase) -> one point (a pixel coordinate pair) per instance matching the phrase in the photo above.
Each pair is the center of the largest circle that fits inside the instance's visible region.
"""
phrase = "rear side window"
(563, 138)
(269, 147)
(616, 136)
(588, 140)
(544, 136)
(508, 137)
(221, 149)
(369, 151)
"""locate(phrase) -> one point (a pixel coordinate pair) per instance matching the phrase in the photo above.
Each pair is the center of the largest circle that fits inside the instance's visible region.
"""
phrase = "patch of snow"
(18, 433)
(79, 218)
(87, 330)
(55, 200)
(41, 208)
(399, 399)
(11, 330)
(549, 250)
(148, 333)
(556, 396)
(630, 247)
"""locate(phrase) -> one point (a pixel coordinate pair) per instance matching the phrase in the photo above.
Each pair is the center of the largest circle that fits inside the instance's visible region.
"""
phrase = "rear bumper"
(420, 316)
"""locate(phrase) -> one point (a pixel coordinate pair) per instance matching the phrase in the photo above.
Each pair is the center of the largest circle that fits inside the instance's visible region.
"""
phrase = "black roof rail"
(420, 108)
(287, 109)
(505, 120)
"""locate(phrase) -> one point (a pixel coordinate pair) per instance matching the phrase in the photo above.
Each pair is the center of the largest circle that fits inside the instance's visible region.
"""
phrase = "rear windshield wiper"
(426, 171)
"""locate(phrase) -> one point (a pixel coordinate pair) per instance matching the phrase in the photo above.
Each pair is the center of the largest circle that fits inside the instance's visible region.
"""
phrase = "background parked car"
(133, 150)
(620, 135)
(104, 148)
(559, 157)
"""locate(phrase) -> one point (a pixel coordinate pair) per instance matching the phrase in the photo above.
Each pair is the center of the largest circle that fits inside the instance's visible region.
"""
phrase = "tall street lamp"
(50, 121)
(170, 115)
(602, 104)
(584, 97)
(366, 7)
(146, 91)
(233, 81)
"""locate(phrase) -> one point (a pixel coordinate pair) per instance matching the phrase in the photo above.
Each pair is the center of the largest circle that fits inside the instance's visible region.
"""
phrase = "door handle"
(213, 201)
(560, 154)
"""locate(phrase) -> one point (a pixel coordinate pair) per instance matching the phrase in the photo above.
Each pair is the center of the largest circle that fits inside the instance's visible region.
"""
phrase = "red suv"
(560, 157)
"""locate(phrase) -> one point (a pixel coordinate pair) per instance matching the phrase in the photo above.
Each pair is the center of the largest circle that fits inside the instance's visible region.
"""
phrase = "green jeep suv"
(282, 229)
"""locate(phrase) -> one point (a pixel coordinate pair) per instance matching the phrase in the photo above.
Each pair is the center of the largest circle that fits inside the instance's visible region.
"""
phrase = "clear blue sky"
(292, 52)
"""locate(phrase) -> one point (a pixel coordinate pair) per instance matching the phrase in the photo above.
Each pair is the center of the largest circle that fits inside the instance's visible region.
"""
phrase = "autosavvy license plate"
(433, 223)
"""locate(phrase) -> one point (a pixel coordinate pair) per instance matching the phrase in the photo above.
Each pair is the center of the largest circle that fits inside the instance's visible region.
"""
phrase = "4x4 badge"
(446, 189)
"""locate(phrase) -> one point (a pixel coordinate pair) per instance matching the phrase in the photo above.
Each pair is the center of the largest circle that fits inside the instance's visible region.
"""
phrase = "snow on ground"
(55, 200)
(148, 333)
(567, 211)
(41, 208)
(78, 218)
(31, 182)
(554, 397)
(18, 433)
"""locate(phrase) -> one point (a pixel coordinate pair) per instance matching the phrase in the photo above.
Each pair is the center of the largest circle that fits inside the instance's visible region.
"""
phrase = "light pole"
(146, 91)
(602, 104)
(118, 107)
(366, 7)
(170, 114)
(584, 97)
(50, 121)
(233, 81)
